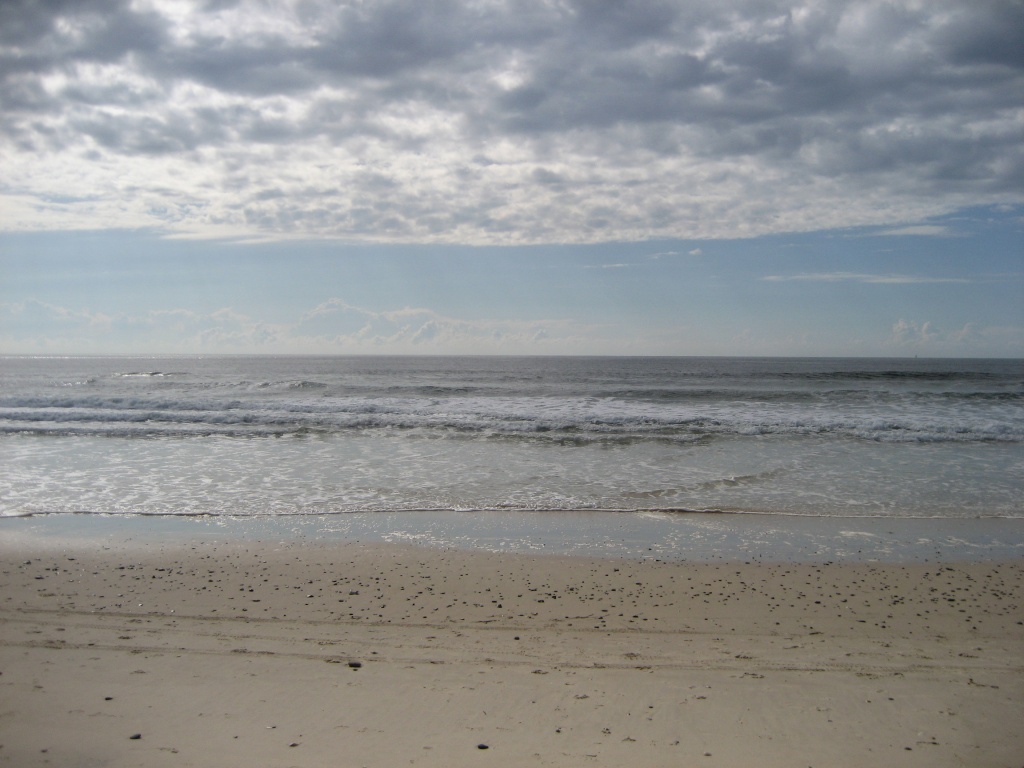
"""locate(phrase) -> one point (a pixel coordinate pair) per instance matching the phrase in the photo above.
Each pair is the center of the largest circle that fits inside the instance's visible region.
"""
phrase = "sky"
(709, 177)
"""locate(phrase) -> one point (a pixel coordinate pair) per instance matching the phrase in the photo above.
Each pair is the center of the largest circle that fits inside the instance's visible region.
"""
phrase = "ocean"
(359, 441)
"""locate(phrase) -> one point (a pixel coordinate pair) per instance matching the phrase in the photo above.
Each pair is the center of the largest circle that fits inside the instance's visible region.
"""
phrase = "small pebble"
(482, 746)
(135, 736)
(355, 664)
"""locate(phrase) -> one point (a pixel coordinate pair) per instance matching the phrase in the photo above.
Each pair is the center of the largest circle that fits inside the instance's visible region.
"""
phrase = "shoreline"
(320, 653)
(691, 537)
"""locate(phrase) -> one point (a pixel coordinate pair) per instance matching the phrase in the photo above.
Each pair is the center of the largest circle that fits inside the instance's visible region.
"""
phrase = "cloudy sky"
(825, 177)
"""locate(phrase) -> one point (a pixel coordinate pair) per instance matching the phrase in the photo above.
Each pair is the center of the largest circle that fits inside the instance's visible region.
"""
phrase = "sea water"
(287, 437)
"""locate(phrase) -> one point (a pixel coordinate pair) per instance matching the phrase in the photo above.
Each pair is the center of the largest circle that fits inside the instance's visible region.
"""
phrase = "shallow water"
(668, 537)
(311, 436)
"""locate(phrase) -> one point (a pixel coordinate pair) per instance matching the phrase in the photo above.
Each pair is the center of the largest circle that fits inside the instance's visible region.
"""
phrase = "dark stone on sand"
(482, 746)
(135, 736)
(355, 664)
(108, 698)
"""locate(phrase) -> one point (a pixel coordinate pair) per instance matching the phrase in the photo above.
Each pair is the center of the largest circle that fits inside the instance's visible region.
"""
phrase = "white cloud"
(672, 254)
(971, 340)
(921, 230)
(338, 327)
(342, 327)
(910, 333)
(333, 327)
(33, 326)
(835, 277)
(506, 121)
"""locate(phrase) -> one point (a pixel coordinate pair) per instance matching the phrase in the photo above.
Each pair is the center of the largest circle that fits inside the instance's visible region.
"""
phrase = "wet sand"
(347, 654)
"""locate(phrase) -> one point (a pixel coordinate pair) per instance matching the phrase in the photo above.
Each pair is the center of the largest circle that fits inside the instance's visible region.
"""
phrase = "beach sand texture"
(208, 653)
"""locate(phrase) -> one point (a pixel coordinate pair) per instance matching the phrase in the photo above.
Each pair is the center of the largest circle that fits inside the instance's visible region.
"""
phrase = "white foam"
(284, 437)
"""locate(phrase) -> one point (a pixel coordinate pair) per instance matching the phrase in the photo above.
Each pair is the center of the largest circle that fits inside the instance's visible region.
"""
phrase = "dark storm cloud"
(520, 119)
(105, 31)
(987, 32)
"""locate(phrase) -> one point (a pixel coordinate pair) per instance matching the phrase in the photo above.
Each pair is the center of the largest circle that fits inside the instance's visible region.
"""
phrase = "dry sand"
(269, 654)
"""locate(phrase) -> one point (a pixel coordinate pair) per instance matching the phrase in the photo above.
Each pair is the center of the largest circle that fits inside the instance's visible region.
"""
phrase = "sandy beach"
(212, 653)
